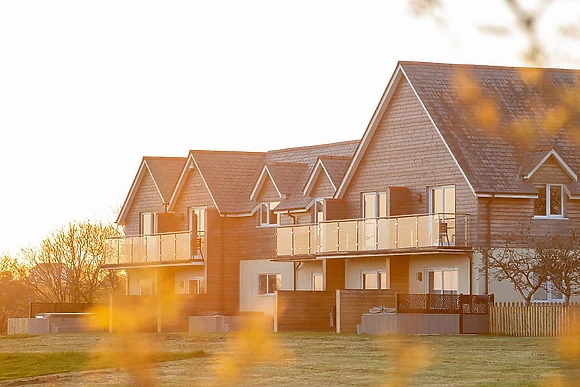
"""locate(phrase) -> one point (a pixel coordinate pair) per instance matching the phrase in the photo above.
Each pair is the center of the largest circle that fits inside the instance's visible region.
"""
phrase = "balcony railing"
(403, 232)
(164, 247)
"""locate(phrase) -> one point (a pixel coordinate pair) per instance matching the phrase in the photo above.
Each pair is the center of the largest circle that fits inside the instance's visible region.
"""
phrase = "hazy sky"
(88, 88)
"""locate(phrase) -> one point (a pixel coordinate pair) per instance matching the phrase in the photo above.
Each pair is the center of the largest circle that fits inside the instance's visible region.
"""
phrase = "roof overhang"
(265, 174)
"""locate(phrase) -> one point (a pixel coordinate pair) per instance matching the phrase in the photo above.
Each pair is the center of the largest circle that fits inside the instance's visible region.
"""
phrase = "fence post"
(396, 302)
(460, 313)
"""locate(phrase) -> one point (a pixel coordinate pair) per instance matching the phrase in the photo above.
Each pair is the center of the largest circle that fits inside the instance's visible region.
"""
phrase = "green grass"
(27, 364)
(296, 359)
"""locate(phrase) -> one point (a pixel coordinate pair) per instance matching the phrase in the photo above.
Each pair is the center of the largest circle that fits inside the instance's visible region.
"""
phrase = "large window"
(318, 210)
(442, 200)
(196, 223)
(146, 223)
(442, 281)
(374, 205)
(266, 214)
(269, 283)
(374, 280)
(550, 201)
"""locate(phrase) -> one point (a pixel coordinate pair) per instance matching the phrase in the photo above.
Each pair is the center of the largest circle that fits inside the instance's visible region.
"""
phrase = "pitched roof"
(291, 167)
(492, 117)
(164, 171)
(227, 174)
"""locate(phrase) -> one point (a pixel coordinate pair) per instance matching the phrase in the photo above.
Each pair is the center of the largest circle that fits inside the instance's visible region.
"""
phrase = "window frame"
(546, 214)
(314, 277)
(200, 287)
(277, 278)
(271, 218)
(379, 199)
(549, 289)
(380, 274)
(151, 217)
(149, 283)
(442, 270)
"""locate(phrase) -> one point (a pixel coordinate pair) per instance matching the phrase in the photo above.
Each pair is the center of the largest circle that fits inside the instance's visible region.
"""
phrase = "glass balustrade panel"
(347, 236)
(427, 231)
(387, 233)
(139, 249)
(182, 246)
(153, 254)
(301, 240)
(367, 234)
(407, 232)
(168, 247)
(328, 237)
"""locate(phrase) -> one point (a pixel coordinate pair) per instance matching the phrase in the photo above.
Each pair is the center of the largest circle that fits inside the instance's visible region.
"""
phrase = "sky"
(87, 88)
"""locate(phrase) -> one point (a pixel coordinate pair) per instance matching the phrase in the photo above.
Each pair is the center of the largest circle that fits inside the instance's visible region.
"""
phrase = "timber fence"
(540, 319)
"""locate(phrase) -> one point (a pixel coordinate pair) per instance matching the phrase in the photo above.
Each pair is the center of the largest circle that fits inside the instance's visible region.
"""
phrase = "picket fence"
(539, 319)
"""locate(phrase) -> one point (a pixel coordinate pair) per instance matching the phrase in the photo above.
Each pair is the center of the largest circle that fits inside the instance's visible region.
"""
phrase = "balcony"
(427, 231)
(155, 248)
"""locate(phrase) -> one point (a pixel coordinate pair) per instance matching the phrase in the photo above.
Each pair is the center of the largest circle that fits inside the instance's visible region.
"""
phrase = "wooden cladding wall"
(406, 151)
(351, 304)
(303, 310)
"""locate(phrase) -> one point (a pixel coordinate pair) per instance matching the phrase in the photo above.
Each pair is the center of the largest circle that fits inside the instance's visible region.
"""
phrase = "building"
(454, 157)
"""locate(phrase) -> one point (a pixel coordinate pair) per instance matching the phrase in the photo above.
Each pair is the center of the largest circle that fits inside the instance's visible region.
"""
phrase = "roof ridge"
(489, 66)
(288, 163)
(314, 146)
(227, 152)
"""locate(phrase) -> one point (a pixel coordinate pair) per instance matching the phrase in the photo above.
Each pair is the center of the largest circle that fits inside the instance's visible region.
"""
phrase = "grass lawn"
(290, 359)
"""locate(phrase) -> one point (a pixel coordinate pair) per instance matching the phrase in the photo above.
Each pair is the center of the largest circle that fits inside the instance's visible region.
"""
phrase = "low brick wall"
(351, 304)
(303, 310)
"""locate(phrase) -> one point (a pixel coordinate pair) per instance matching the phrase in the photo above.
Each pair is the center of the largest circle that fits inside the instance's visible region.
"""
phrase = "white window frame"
(378, 284)
(546, 214)
(318, 208)
(550, 289)
(444, 189)
(442, 270)
(277, 277)
(314, 277)
(379, 207)
(149, 283)
(199, 287)
(151, 220)
(271, 218)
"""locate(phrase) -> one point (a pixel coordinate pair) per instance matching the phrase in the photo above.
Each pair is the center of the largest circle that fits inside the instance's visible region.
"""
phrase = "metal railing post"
(416, 231)
(337, 236)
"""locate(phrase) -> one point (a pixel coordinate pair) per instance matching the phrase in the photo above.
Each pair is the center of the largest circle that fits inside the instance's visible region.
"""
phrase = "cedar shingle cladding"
(405, 150)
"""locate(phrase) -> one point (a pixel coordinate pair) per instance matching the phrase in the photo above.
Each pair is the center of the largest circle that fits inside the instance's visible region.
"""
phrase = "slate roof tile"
(492, 117)
(165, 171)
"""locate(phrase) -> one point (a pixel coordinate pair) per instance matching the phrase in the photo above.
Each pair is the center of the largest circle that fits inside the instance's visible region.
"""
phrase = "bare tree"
(561, 253)
(65, 268)
(517, 262)
(15, 294)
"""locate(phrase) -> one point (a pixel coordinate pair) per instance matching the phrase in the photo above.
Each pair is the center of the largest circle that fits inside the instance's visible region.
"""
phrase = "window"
(318, 210)
(374, 280)
(146, 224)
(195, 286)
(442, 200)
(196, 223)
(269, 283)
(146, 287)
(266, 214)
(442, 281)
(547, 293)
(374, 205)
(550, 201)
(317, 282)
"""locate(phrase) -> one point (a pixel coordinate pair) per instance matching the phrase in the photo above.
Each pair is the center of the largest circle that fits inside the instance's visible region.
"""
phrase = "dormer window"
(550, 201)
(266, 214)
